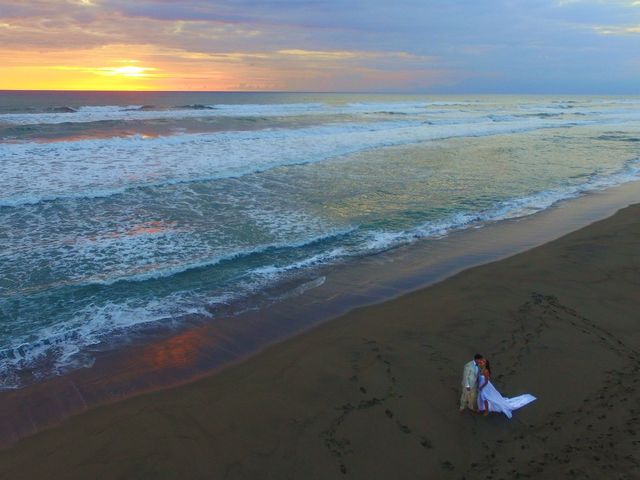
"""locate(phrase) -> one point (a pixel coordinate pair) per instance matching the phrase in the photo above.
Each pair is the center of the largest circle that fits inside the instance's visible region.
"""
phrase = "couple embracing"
(479, 394)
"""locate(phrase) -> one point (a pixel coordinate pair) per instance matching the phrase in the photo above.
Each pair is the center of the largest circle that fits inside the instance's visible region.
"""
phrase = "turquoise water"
(122, 210)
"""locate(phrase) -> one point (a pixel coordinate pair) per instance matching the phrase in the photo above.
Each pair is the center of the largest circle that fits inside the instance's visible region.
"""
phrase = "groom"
(470, 384)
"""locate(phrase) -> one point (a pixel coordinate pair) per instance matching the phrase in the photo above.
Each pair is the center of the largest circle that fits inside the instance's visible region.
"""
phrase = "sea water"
(119, 210)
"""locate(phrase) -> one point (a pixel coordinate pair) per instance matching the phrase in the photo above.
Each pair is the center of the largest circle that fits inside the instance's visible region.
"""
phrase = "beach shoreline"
(161, 356)
(305, 394)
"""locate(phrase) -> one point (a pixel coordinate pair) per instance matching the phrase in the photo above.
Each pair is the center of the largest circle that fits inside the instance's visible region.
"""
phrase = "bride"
(490, 400)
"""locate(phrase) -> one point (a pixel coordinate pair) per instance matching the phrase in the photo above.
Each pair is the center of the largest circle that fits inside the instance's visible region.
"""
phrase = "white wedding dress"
(498, 403)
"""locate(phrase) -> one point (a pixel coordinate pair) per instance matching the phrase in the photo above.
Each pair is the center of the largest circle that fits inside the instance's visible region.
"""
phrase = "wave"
(178, 268)
(105, 167)
(61, 346)
(617, 137)
(142, 108)
(126, 112)
(616, 101)
(195, 106)
(96, 113)
(181, 269)
(63, 110)
(89, 114)
(508, 209)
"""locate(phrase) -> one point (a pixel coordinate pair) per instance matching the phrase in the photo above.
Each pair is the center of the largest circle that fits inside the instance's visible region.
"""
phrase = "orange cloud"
(153, 67)
(110, 45)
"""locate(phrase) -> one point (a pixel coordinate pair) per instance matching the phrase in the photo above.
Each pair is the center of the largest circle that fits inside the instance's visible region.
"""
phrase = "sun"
(128, 71)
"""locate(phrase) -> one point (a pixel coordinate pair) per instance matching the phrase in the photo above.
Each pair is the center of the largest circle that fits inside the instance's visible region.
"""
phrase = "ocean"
(120, 211)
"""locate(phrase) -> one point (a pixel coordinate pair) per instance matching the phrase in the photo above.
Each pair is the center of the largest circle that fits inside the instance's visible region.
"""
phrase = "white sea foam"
(138, 252)
(65, 341)
(165, 271)
(103, 272)
(509, 209)
(34, 172)
(140, 112)
(85, 114)
(136, 112)
(58, 348)
(274, 272)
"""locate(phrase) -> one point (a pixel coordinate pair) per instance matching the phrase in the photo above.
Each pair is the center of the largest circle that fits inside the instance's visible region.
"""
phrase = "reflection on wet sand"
(181, 350)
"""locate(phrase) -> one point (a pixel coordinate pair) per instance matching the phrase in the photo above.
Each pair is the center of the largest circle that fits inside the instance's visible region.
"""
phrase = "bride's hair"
(487, 366)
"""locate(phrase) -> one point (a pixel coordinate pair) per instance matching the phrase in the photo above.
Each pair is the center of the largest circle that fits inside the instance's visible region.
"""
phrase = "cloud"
(508, 45)
(608, 3)
(617, 30)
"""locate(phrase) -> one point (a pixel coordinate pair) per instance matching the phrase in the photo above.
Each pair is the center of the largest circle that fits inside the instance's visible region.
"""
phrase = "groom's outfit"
(469, 396)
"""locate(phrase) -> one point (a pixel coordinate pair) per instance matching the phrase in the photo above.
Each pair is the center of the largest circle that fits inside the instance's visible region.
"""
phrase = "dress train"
(498, 403)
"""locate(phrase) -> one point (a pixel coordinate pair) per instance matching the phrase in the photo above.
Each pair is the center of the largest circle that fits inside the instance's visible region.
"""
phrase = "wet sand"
(374, 393)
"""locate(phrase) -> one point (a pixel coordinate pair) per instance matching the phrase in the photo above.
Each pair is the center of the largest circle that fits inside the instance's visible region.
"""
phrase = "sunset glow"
(225, 45)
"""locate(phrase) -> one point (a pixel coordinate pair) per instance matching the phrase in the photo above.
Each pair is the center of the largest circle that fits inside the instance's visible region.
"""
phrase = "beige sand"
(374, 394)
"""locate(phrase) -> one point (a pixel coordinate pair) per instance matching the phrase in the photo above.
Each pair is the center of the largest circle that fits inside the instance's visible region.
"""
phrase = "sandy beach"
(373, 394)
(246, 240)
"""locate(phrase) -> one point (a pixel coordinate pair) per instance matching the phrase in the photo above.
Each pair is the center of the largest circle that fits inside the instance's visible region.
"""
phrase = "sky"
(445, 46)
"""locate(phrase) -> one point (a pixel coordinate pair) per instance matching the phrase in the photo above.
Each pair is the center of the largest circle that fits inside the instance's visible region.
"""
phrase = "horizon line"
(315, 92)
